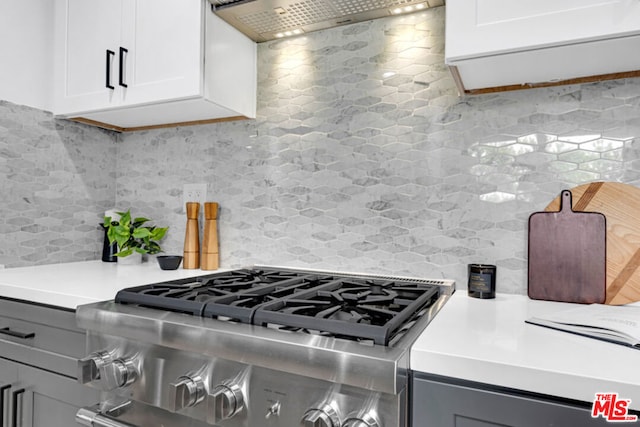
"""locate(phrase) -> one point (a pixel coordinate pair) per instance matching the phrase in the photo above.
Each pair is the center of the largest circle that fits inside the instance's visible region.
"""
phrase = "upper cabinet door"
(86, 41)
(127, 52)
(488, 27)
(164, 44)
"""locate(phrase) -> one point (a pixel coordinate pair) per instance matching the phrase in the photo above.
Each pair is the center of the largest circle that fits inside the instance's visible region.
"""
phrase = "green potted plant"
(133, 236)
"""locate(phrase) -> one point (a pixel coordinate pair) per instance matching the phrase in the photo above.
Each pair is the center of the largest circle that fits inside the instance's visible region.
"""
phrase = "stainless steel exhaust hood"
(263, 20)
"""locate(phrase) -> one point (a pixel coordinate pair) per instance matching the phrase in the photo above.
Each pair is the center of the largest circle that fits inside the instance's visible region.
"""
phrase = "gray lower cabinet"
(447, 402)
(38, 398)
(39, 348)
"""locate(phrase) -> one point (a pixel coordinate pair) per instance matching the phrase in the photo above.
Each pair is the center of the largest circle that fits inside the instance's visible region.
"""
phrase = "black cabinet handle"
(23, 335)
(123, 51)
(14, 407)
(110, 54)
(2, 390)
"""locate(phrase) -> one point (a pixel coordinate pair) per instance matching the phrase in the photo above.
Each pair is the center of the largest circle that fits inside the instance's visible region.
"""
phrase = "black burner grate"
(360, 309)
(192, 295)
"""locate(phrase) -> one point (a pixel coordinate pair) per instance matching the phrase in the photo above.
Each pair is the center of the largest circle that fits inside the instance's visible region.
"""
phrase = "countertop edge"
(488, 342)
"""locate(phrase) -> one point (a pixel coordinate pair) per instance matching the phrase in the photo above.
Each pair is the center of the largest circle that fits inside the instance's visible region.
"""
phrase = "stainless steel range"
(259, 346)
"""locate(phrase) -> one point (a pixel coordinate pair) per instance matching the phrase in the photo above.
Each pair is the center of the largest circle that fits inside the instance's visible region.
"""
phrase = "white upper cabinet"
(497, 43)
(137, 63)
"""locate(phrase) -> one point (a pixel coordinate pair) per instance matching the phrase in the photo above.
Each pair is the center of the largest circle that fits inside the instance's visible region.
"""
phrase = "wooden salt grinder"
(210, 253)
(191, 254)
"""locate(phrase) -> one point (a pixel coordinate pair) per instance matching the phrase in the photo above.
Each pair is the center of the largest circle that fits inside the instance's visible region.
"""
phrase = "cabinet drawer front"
(40, 336)
(43, 337)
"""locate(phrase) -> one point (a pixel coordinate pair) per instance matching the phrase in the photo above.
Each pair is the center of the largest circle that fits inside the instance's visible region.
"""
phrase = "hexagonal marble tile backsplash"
(55, 178)
(364, 158)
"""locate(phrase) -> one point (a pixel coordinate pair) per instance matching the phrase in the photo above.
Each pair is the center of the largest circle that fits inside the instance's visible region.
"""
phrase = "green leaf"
(141, 233)
(137, 222)
(153, 248)
(125, 218)
(159, 233)
(124, 253)
(111, 235)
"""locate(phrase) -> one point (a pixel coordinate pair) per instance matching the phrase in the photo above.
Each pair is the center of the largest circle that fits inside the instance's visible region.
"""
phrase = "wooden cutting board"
(567, 254)
(620, 203)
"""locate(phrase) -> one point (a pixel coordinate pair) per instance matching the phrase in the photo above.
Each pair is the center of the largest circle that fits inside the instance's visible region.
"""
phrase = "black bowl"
(169, 262)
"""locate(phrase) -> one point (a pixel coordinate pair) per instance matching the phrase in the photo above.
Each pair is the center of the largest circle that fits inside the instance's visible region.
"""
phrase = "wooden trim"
(578, 80)
(150, 127)
(97, 124)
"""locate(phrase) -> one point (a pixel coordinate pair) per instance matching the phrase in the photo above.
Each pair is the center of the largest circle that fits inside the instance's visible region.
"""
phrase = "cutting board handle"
(566, 204)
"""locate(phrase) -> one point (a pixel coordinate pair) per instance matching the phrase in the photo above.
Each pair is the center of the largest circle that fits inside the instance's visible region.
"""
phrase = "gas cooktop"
(368, 309)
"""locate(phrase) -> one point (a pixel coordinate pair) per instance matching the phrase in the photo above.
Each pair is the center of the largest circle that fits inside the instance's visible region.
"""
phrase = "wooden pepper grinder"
(210, 253)
(191, 254)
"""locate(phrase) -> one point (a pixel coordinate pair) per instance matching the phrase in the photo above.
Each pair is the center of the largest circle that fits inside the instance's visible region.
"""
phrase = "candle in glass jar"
(482, 281)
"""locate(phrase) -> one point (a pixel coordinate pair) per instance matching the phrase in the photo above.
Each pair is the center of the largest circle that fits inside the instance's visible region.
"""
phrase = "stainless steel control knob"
(224, 402)
(187, 391)
(366, 420)
(326, 416)
(112, 373)
(119, 373)
(89, 367)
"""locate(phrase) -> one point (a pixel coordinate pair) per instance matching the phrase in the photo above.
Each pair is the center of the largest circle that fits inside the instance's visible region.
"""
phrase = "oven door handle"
(90, 417)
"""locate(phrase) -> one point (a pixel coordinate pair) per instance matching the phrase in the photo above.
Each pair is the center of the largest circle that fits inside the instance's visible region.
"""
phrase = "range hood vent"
(263, 20)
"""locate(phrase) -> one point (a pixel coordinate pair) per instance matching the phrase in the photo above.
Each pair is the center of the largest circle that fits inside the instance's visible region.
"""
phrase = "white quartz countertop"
(72, 284)
(489, 342)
